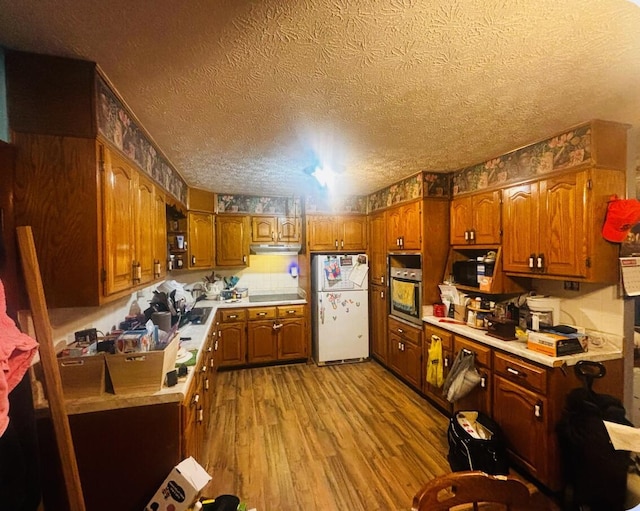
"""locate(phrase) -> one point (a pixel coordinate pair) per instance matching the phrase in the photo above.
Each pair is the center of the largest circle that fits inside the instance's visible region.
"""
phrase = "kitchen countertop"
(519, 348)
(197, 334)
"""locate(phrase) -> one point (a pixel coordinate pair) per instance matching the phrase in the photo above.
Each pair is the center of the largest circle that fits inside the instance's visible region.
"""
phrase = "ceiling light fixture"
(325, 176)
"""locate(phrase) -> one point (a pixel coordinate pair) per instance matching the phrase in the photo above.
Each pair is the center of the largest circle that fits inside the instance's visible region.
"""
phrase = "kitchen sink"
(273, 298)
(199, 315)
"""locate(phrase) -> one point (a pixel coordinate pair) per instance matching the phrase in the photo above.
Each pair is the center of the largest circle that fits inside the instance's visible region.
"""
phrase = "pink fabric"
(16, 351)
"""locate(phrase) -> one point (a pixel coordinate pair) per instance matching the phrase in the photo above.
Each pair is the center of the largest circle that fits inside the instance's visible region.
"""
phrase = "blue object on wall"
(4, 116)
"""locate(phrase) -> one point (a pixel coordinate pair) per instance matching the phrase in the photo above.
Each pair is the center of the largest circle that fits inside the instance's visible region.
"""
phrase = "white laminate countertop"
(194, 336)
(599, 354)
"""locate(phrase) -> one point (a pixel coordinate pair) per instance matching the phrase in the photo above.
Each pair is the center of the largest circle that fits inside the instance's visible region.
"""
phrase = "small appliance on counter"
(540, 312)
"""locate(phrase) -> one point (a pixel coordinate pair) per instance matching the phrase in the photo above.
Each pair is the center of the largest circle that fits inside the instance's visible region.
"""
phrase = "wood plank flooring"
(293, 437)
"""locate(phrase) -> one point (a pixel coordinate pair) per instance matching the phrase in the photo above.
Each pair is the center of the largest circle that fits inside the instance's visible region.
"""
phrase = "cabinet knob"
(193, 260)
(540, 262)
(472, 235)
(532, 259)
(206, 384)
(196, 399)
(200, 415)
(335, 243)
(537, 410)
(466, 236)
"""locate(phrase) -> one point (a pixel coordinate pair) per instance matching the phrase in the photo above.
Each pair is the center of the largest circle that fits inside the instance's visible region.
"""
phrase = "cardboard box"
(143, 371)
(82, 376)
(181, 487)
(554, 345)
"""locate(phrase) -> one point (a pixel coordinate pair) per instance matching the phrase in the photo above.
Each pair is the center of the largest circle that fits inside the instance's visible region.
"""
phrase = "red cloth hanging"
(16, 352)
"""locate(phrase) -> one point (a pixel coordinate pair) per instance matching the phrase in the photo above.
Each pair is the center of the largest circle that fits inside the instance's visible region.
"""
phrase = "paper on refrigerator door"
(359, 273)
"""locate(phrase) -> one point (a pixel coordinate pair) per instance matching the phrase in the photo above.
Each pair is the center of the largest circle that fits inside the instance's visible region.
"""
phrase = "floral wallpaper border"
(115, 124)
(345, 204)
(560, 152)
(288, 206)
(423, 184)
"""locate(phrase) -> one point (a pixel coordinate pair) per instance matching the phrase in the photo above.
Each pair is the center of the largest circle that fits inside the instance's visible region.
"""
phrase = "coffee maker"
(541, 312)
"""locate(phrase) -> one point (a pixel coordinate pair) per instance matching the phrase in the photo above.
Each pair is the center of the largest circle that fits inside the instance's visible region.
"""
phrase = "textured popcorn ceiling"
(243, 96)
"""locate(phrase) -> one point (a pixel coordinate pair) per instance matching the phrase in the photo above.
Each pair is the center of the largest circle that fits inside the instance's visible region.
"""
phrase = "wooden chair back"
(474, 487)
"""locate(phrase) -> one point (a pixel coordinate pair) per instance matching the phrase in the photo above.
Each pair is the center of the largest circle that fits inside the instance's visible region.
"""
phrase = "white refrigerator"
(340, 308)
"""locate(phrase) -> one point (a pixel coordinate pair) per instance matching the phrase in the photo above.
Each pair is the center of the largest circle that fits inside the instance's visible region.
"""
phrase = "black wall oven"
(406, 293)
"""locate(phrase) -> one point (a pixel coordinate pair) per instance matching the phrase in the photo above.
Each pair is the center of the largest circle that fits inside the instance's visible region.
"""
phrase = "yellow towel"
(403, 295)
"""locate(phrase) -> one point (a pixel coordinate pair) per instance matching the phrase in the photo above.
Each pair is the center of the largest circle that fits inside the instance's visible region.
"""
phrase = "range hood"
(276, 248)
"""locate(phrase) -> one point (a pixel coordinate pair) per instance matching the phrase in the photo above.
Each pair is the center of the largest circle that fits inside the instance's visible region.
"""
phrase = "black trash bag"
(476, 442)
(595, 473)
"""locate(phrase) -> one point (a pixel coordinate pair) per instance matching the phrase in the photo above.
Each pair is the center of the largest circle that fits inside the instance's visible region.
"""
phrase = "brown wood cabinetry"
(200, 241)
(92, 210)
(480, 397)
(273, 333)
(552, 226)
(274, 229)
(378, 312)
(378, 272)
(404, 226)
(337, 233)
(232, 337)
(434, 392)
(232, 240)
(476, 219)
(132, 226)
(405, 352)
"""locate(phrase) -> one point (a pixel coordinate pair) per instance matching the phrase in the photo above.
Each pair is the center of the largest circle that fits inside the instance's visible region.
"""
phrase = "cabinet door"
(200, 247)
(232, 240)
(480, 396)
(321, 232)
(292, 342)
(486, 218)
(521, 231)
(522, 416)
(353, 233)
(262, 343)
(119, 247)
(562, 243)
(460, 219)
(144, 219)
(394, 226)
(377, 249)
(289, 229)
(413, 364)
(411, 222)
(379, 309)
(397, 361)
(232, 344)
(263, 229)
(160, 236)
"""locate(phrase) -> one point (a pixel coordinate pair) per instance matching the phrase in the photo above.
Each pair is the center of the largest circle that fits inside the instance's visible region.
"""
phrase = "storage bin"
(133, 373)
(82, 376)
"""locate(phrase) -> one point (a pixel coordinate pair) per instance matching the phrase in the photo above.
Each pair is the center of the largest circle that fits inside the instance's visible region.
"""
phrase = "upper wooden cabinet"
(404, 227)
(378, 248)
(552, 226)
(132, 226)
(97, 216)
(337, 233)
(270, 229)
(475, 219)
(232, 240)
(200, 241)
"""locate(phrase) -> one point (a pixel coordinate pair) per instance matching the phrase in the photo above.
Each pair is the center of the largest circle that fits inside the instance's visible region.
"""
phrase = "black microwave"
(467, 272)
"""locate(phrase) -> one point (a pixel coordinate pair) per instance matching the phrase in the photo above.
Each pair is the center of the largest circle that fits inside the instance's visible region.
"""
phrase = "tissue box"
(181, 487)
(554, 345)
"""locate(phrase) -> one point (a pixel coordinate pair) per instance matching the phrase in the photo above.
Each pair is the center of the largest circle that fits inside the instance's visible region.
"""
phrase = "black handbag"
(476, 443)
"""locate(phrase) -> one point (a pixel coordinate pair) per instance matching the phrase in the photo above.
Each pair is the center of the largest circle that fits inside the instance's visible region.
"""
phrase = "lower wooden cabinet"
(434, 392)
(405, 351)
(378, 311)
(480, 397)
(258, 335)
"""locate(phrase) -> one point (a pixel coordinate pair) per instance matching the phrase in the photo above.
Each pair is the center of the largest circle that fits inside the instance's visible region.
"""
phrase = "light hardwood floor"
(343, 437)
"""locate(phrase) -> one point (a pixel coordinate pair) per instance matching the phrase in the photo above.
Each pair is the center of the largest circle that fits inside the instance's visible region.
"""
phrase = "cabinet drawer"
(262, 312)
(411, 333)
(232, 315)
(482, 353)
(290, 311)
(520, 372)
(445, 336)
